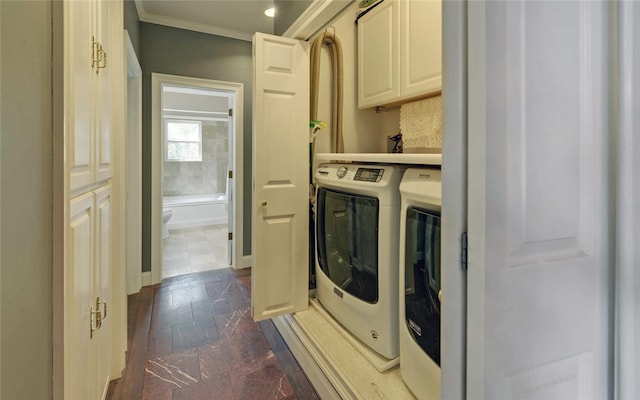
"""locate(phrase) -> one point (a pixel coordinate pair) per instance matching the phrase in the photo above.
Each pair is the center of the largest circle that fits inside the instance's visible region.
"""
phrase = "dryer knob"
(341, 172)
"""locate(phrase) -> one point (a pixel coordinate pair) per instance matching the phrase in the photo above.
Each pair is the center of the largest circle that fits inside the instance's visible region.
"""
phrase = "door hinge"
(231, 112)
(230, 235)
(230, 174)
(463, 251)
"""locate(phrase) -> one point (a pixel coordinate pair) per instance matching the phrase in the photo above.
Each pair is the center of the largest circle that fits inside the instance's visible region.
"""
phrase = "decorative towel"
(421, 125)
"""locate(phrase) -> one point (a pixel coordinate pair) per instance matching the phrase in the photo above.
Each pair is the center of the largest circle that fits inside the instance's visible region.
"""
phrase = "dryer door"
(422, 279)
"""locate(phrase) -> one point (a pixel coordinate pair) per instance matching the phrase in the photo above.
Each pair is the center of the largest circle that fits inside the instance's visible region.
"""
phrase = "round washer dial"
(341, 172)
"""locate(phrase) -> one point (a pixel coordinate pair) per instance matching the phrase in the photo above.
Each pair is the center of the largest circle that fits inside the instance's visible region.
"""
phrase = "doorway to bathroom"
(197, 173)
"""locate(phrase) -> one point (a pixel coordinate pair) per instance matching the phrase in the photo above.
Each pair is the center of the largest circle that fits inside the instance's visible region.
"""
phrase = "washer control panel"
(357, 174)
(369, 174)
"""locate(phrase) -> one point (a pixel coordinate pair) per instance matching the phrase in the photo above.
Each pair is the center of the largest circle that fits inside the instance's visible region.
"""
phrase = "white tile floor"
(194, 250)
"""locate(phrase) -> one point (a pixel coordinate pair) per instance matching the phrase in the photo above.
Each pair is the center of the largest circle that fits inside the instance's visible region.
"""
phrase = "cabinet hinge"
(463, 251)
(231, 112)
(230, 174)
(230, 235)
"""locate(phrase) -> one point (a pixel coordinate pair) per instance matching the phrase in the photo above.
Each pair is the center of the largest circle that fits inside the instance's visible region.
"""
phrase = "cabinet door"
(79, 78)
(79, 370)
(102, 284)
(281, 177)
(104, 96)
(421, 47)
(378, 36)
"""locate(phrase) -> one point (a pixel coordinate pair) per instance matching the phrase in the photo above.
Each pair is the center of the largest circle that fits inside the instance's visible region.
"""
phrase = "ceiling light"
(270, 12)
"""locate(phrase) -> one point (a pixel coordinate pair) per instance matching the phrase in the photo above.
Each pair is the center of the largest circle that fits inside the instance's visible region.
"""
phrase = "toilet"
(166, 216)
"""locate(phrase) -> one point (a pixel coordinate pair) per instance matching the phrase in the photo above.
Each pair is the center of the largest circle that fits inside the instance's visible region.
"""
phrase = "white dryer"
(421, 198)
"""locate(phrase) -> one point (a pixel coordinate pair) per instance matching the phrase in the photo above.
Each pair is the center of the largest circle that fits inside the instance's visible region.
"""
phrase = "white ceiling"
(237, 19)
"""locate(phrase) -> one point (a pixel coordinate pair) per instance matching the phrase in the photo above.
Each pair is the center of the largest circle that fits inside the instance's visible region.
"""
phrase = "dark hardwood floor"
(192, 337)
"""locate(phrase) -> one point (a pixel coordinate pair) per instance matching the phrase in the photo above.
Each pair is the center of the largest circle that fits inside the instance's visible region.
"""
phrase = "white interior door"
(539, 294)
(281, 176)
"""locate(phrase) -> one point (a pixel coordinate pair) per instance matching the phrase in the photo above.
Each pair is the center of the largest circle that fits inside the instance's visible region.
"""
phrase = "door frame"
(627, 275)
(454, 198)
(236, 184)
(133, 169)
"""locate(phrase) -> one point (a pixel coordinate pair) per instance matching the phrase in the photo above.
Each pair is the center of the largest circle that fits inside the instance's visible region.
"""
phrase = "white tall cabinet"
(399, 52)
(92, 58)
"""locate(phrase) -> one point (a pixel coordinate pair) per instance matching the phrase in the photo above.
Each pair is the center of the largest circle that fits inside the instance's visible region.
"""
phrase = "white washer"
(421, 194)
(357, 228)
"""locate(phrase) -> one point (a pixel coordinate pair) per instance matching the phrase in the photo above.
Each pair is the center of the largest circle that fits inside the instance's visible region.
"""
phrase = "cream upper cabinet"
(399, 52)
(88, 92)
(378, 55)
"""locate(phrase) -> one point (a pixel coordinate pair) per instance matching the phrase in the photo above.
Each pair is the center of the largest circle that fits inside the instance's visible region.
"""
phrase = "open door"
(281, 176)
(539, 278)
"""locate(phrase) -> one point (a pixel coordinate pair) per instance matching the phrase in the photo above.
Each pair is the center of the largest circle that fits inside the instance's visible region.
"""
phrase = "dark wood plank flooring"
(192, 337)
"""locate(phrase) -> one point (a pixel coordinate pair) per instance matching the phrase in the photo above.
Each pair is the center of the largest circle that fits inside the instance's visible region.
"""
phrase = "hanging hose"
(335, 52)
(337, 142)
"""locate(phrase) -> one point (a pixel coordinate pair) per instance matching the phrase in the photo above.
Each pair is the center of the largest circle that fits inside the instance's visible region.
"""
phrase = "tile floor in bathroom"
(195, 250)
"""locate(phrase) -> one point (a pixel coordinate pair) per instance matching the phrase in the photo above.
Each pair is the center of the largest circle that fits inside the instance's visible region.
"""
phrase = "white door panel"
(280, 149)
(103, 284)
(104, 92)
(379, 56)
(80, 80)
(421, 39)
(538, 233)
(79, 370)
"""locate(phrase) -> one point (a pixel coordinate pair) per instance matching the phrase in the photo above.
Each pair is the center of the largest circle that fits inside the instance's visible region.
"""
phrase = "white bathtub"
(190, 211)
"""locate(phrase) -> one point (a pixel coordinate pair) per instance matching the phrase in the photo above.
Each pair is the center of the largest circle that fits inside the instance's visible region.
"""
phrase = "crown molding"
(179, 23)
(316, 16)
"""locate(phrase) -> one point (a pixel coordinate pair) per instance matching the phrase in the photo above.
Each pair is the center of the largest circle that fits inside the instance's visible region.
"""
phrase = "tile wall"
(207, 176)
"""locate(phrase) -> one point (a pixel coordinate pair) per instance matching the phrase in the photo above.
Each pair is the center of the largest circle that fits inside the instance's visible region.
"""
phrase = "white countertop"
(383, 158)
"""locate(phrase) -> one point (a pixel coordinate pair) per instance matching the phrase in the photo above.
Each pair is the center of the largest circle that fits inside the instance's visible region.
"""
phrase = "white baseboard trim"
(314, 373)
(244, 262)
(146, 278)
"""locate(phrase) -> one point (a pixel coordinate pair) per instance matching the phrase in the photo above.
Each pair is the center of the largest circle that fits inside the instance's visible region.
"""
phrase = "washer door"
(347, 232)
(422, 279)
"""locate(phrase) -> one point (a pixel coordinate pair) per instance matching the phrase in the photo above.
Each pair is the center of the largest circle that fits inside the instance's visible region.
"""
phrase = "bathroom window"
(183, 140)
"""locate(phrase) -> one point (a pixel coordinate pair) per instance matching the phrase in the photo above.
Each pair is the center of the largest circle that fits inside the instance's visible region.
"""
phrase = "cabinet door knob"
(264, 204)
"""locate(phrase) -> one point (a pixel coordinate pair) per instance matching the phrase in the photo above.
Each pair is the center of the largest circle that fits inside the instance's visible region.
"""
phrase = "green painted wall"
(132, 24)
(26, 200)
(174, 51)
